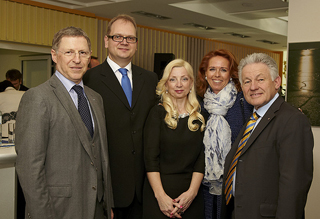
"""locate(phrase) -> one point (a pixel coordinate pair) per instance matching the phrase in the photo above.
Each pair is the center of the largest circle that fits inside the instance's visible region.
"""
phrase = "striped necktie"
(228, 184)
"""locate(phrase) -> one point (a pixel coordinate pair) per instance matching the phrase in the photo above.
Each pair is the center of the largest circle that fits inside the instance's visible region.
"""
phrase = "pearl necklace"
(183, 115)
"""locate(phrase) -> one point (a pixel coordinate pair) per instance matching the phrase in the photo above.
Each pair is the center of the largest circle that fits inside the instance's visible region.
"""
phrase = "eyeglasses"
(72, 54)
(221, 70)
(119, 38)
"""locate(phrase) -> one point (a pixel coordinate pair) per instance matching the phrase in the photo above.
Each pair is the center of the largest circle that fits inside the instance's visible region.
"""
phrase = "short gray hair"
(259, 58)
(69, 32)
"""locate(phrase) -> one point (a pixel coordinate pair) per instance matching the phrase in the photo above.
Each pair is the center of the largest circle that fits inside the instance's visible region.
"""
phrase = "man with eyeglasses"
(61, 142)
(128, 93)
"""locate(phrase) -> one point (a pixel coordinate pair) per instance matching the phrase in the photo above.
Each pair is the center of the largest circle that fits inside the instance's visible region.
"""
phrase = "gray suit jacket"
(55, 163)
(275, 168)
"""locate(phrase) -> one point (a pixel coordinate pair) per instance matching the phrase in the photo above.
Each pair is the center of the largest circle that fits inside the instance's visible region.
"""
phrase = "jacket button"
(134, 132)
(91, 163)
(133, 152)
(94, 188)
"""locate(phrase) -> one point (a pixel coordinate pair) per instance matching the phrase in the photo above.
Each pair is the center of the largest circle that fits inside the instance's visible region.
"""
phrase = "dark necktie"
(83, 108)
(126, 85)
(228, 184)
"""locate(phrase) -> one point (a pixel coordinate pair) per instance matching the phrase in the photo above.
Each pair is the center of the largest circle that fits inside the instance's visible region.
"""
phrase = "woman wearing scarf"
(225, 111)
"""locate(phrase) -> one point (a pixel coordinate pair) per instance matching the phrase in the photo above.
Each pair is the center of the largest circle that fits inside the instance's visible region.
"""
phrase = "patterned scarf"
(217, 136)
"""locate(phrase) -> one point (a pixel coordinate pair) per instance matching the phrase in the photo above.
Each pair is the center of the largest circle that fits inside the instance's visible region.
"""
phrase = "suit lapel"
(138, 82)
(266, 119)
(111, 81)
(94, 108)
(66, 101)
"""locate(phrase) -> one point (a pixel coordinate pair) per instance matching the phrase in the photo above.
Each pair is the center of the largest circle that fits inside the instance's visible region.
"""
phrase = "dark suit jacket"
(275, 168)
(125, 127)
(23, 88)
(56, 164)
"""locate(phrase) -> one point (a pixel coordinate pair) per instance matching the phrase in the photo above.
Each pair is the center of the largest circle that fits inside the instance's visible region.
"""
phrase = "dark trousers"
(21, 203)
(230, 209)
(133, 211)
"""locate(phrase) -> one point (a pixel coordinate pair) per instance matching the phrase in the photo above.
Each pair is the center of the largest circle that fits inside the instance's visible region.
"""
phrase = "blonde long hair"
(192, 105)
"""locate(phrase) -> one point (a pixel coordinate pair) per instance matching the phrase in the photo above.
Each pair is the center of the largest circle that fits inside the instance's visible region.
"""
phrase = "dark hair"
(13, 75)
(124, 17)
(202, 84)
(4, 84)
(69, 31)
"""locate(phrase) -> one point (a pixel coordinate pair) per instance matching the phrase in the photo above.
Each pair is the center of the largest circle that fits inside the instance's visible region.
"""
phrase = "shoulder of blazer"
(147, 73)
(101, 70)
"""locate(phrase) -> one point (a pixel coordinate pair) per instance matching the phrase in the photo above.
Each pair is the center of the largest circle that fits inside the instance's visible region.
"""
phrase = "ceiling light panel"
(72, 4)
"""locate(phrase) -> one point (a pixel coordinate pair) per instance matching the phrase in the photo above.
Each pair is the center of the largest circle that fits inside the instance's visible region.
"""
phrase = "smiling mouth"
(255, 95)
(76, 68)
(179, 91)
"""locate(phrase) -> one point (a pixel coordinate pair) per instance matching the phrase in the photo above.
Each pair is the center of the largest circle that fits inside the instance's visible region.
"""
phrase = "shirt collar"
(262, 110)
(66, 82)
(115, 67)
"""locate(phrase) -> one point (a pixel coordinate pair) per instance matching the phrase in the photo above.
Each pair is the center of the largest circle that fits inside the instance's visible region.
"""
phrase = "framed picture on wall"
(303, 85)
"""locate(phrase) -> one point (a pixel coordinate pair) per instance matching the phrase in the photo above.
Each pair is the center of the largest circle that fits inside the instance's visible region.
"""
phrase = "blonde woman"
(174, 153)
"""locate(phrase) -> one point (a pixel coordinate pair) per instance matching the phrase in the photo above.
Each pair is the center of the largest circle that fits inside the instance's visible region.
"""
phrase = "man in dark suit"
(269, 174)
(61, 143)
(15, 77)
(126, 104)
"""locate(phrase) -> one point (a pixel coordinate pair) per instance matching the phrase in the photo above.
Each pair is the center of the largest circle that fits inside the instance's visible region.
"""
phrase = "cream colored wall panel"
(50, 26)
(74, 20)
(39, 26)
(32, 26)
(10, 20)
(18, 23)
(148, 60)
(84, 24)
(148, 49)
(59, 21)
(25, 24)
(45, 27)
(3, 20)
(93, 35)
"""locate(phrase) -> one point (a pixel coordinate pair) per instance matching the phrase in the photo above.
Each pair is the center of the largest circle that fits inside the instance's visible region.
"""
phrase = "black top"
(176, 154)
(164, 147)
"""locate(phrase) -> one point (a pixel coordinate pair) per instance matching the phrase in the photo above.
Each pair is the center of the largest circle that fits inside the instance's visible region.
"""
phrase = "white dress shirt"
(115, 68)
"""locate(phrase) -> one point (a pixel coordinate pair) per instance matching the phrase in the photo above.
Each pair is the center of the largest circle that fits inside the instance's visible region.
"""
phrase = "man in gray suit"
(61, 143)
(269, 173)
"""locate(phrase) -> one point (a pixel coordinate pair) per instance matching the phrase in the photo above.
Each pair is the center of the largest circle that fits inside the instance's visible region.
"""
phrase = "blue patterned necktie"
(83, 108)
(126, 85)
(228, 184)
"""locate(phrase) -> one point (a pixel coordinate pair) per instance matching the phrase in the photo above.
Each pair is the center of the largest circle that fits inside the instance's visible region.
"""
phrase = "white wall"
(10, 53)
(303, 27)
(8, 61)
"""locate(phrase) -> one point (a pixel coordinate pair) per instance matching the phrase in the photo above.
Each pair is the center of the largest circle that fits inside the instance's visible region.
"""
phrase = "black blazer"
(275, 168)
(125, 127)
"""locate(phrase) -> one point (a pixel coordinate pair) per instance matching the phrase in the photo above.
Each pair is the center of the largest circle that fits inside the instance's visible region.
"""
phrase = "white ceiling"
(259, 19)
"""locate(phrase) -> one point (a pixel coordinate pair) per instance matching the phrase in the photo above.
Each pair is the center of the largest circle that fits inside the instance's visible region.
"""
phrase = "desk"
(8, 182)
